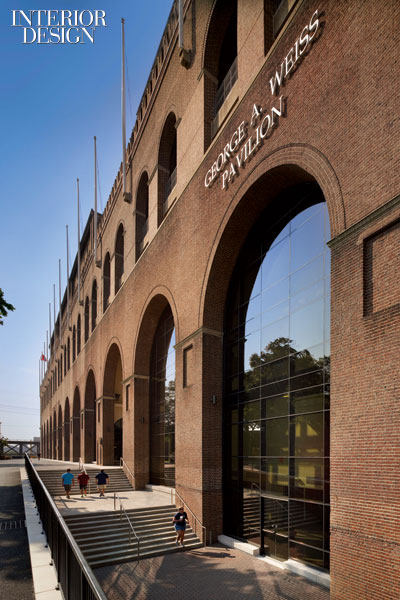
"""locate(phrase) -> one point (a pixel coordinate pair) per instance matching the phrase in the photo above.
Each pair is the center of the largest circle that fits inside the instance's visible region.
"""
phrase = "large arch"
(142, 213)
(54, 437)
(112, 422)
(89, 419)
(60, 434)
(67, 434)
(219, 62)
(76, 426)
(159, 308)
(167, 169)
(272, 199)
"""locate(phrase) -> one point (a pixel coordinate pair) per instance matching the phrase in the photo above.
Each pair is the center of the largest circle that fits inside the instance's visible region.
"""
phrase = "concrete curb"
(44, 575)
(293, 566)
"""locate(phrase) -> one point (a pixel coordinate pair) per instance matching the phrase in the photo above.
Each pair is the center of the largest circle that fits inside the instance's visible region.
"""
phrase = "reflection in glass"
(277, 372)
(162, 402)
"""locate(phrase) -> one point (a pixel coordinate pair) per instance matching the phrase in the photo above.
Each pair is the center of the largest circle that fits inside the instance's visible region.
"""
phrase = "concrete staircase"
(51, 478)
(104, 539)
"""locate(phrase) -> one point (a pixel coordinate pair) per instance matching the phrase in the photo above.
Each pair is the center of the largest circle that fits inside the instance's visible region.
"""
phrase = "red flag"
(43, 357)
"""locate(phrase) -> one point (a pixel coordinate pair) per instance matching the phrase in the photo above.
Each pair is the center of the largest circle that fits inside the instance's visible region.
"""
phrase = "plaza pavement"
(211, 573)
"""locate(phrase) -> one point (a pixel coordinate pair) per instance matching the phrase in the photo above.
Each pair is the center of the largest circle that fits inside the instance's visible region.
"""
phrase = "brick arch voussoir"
(302, 161)
(158, 299)
(109, 368)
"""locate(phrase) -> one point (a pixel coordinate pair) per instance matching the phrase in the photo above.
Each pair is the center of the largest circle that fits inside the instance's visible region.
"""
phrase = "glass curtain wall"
(162, 403)
(277, 386)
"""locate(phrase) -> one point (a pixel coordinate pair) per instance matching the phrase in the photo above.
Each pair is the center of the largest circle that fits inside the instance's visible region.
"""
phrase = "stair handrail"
(54, 525)
(123, 464)
(196, 519)
(122, 510)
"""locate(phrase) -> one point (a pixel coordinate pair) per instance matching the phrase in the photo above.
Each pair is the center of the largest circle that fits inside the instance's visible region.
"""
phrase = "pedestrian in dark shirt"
(102, 480)
(83, 479)
(180, 520)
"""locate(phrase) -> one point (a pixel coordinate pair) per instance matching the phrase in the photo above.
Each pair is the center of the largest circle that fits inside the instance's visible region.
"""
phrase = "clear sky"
(54, 98)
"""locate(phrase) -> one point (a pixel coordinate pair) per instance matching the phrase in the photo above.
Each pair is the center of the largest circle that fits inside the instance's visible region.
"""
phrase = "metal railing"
(196, 520)
(123, 464)
(131, 530)
(74, 575)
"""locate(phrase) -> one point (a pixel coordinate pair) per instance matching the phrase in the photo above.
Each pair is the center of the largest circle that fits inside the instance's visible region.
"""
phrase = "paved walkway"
(15, 573)
(212, 573)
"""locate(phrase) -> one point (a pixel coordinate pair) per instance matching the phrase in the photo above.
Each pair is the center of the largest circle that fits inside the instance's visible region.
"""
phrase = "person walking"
(102, 480)
(68, 481)
(180, 520)
(83, 479)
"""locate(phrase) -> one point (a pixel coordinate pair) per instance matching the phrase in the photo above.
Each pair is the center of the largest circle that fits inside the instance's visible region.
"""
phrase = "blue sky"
(54, 99)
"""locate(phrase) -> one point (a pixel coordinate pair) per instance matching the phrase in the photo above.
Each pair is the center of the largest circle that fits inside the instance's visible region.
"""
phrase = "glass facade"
(162, 403)
(277, 385)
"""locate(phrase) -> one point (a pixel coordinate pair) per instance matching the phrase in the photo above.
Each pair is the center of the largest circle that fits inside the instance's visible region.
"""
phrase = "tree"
(3, 442)
(4, 307)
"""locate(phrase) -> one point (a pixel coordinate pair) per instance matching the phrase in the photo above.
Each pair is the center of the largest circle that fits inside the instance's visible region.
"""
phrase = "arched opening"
(106, 281)
(119, 257)
(142, 214)
(60, 435)
(86, 319)
(54, 436)
(68, 354)
(78, 335)
(112, 408)
(220, 63)
(76, 433)
(276, 380)
(162, 402)
(73, 343)
(94, 304)
(166, 166)
(50, 441)
(90, 418)
(67, 435)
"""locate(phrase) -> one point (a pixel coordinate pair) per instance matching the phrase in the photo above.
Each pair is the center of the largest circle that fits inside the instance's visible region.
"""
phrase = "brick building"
(238, 319)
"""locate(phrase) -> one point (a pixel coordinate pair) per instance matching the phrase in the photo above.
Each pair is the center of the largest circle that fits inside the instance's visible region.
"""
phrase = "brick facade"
(340, 129)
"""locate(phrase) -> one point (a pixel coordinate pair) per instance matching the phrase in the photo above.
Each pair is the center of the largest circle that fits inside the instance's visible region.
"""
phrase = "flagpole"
(67, 278)
(54, 312)
(50, 326)
(125, 195)
(79, 249)
(59, 300)
(95, 203)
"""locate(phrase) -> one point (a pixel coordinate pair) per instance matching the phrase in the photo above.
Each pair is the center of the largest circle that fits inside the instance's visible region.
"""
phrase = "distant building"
(237, 334)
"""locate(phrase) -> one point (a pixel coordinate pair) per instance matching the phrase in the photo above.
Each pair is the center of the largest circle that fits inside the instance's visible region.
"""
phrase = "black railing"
(75, 577)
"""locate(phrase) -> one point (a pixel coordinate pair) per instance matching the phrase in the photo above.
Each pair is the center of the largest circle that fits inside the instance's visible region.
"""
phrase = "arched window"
(106, 281)
(69, 354)
(162, 402)
(119, 257)
(166, 166)
(86, 319)
(73, 343)
(78, 335)
(94, 304)
(220, 64)
(142, 213)
(277, 365)
(65, 360)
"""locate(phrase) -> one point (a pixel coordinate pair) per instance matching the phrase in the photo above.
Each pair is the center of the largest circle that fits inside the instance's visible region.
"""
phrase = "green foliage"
(4, 307)
(3, 442)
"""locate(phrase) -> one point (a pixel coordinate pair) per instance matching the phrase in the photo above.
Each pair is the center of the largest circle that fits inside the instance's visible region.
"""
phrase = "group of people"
(180, 519)
(68, 480)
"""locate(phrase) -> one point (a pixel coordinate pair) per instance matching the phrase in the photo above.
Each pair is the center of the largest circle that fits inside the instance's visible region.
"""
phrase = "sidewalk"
(211, 573)
(15, 573)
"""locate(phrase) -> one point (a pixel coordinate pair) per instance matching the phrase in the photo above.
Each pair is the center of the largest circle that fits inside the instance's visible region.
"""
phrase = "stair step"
(132, 557)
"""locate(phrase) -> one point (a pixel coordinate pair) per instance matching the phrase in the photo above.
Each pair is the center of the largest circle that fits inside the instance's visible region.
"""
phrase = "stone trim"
(201, 331)
(364, 222)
